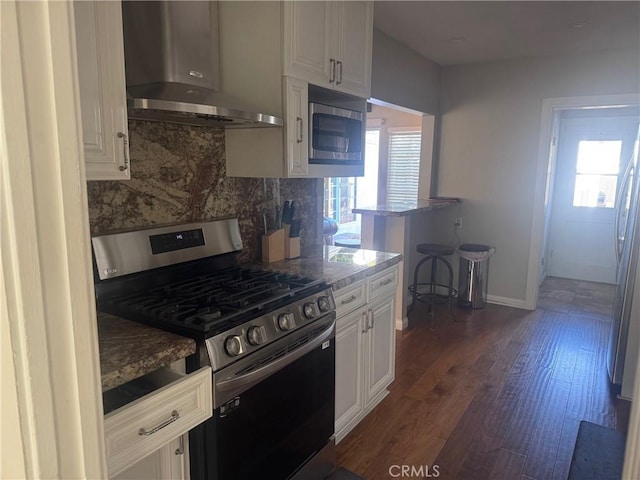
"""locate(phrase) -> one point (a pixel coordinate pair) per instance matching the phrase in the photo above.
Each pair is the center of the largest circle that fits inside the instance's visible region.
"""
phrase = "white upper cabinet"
(355, 50)
(329, 44)
(103, 102)
(296, 128)
(308, 41)
(269, 52)
(273, 152)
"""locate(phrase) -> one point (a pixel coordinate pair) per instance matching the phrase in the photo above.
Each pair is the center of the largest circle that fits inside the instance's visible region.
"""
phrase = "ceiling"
(461, 32)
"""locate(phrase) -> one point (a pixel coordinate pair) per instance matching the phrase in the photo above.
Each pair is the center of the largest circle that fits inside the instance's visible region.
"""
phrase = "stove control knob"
(233, 345)
(256, 335)
(324, 304)
(286, 321)
(309, 310)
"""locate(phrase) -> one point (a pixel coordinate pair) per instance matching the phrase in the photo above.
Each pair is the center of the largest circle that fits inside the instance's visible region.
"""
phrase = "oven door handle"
(244, 382)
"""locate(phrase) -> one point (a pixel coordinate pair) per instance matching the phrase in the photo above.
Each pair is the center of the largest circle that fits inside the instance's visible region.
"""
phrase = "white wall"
(489, 145)
(402, 77)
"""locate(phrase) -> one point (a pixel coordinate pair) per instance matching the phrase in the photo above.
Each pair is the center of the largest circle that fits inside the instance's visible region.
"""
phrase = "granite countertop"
(338, 266)
(129, 350)
(401, 209)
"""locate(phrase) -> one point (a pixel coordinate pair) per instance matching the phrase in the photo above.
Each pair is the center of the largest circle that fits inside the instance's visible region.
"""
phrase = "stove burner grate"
(210, 301)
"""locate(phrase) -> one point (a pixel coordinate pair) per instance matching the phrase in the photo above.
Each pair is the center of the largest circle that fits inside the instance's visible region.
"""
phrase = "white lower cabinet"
(141, 435)
(349, 371)
(365, 351)
(381, 337)
(170, 462)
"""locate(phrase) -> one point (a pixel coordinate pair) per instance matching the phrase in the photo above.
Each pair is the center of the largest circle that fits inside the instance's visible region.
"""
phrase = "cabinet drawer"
(349, 298)
(384, 281)
(146, 424)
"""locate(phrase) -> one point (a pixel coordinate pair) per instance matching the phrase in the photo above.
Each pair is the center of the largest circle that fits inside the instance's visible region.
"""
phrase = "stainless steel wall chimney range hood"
(172, 60)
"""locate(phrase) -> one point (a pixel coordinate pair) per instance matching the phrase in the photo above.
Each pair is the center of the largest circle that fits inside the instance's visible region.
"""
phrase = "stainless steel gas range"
(268, 336)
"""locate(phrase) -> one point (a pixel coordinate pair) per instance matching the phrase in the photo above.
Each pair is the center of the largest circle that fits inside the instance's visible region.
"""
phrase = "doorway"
(594, 148)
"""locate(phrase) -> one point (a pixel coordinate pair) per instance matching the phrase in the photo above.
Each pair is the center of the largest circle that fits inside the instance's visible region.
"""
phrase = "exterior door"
(592, 156)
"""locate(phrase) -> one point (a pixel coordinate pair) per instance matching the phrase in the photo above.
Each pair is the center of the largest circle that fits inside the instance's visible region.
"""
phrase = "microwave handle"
(300, 136)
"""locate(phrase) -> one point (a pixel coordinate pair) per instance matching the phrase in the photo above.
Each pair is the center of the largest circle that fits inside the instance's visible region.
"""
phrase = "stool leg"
(433, 290)
(450, 285)
(413, 289)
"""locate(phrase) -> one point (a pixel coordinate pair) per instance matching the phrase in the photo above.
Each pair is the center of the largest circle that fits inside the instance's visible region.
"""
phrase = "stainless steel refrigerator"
(627, 233)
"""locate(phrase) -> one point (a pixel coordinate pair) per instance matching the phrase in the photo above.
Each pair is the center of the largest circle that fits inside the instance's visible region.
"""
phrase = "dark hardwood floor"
(497, 395)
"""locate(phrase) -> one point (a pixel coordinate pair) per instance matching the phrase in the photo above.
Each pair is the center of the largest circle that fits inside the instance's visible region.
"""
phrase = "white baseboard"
(402, 323)
(509, 302)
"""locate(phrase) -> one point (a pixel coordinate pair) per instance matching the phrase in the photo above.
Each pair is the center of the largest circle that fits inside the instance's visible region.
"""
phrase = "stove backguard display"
(169, 242)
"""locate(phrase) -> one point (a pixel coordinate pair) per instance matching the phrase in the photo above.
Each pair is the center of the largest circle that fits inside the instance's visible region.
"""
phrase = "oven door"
(274, 410)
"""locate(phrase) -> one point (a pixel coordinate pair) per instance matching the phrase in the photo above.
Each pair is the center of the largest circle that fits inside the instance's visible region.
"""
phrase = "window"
(339, 198)
(597, 169)
(403, 165)
(342, 194)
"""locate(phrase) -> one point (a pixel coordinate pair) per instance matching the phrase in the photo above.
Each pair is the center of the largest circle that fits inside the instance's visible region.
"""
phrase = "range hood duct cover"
(172, 60)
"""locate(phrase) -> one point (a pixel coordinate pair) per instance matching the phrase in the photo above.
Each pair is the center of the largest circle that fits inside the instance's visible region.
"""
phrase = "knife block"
(273, 246)
(291, 245)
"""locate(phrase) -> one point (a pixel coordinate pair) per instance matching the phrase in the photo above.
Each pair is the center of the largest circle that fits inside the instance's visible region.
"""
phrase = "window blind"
(403, 165)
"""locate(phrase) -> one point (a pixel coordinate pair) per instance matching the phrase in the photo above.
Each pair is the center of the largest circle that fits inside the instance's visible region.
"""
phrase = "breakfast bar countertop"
(401, 209)
(129, 350)
(338, 266)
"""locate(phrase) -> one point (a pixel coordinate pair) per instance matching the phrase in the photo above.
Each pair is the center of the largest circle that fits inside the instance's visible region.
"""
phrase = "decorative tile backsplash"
(178, 175)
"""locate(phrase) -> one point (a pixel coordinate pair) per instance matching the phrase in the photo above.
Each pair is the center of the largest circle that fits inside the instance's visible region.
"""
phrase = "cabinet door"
(353, 50)
(296, 127)
(308, 41)
(349, 369)
(170, 462)
(380, 348)
(103, 102)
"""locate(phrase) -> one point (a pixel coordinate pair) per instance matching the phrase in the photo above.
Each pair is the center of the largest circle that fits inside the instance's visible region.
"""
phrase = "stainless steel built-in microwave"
(335, 135)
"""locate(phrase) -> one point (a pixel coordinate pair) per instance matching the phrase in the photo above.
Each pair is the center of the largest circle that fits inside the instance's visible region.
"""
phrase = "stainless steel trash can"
(473, 274)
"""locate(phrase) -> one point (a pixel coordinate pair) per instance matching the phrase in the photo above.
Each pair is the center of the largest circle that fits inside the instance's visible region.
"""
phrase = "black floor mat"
(598, 454)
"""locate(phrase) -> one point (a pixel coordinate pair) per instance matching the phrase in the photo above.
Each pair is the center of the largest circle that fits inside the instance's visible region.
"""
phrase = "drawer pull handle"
(386, 282)
(174, 416)
(349, 300)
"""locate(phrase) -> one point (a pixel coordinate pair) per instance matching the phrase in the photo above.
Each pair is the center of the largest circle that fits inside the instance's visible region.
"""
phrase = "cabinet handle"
(174, 416)
(349, 300)
(386, 282)
(340, 72)
(125, 144)
(365, 321)
(180, 449)
(300, 130)
(333, 70)
(372, 317)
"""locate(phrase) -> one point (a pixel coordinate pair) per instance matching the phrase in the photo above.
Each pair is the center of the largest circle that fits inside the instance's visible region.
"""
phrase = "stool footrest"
(428, 296)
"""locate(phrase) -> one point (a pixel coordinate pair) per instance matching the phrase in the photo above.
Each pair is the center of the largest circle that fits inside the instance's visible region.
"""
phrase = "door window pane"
(597, 169)
(599, 156)
(595, 191)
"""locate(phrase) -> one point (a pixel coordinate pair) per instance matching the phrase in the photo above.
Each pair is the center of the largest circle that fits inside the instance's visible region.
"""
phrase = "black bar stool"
(432, 292)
